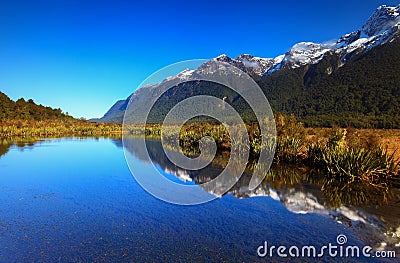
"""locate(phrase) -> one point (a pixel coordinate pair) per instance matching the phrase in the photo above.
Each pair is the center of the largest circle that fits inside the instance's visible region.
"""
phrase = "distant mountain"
(116, 113)
(28, 110)
(352, 81)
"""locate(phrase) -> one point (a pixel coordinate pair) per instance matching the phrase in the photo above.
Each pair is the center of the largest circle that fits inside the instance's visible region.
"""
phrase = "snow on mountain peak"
(255, 64)
(248, 60)
(348, 39)
(248, 63)
(185, 73)
(300, 54)
(223, 58)
(306, 53)
(382, 19)
(382, 26)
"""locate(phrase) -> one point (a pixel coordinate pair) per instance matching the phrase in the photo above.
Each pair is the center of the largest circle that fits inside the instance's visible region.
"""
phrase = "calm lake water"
(75, 200)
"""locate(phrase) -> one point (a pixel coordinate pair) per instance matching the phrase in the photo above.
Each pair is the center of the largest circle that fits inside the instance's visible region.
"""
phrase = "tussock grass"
(353, 163)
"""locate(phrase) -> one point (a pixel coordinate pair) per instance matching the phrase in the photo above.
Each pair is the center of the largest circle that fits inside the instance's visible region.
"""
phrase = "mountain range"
(353, 81)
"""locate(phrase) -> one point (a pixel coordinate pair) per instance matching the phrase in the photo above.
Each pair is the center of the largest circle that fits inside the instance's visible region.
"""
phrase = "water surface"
(75, 200)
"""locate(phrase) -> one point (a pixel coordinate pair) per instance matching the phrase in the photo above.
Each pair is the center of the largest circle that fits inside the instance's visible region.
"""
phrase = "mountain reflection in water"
(372, 214)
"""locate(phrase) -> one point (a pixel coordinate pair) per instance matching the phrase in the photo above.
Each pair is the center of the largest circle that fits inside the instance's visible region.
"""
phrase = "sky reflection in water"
(75, 200)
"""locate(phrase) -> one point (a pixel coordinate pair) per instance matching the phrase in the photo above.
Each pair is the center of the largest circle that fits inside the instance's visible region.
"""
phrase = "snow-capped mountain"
(382, 26)
(248, 63)
(302, 53)
(183, 75)
(384, 18)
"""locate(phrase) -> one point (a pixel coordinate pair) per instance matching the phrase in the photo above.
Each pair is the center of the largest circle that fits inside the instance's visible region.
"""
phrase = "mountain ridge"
(306, 59)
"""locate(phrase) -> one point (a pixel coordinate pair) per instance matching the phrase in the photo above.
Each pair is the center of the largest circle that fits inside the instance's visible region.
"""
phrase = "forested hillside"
(365, 92)
(28, 110)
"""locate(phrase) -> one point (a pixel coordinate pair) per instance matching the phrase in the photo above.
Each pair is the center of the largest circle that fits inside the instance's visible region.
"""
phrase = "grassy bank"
(349, 155)
(31, 128)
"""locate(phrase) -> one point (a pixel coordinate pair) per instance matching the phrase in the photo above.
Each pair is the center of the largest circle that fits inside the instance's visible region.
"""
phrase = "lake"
(75, 200)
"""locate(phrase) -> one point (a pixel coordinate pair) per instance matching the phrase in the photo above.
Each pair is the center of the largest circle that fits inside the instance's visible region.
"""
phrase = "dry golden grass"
(387, 138)
(29, 128)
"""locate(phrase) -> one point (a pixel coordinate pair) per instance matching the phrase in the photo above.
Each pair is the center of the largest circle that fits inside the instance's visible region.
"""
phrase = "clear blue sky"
(82, 56)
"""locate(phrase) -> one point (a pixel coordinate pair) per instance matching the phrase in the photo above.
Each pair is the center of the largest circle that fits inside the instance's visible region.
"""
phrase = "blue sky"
(82, 56)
